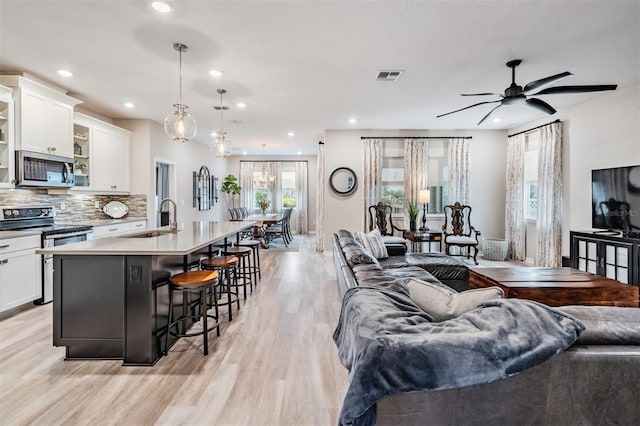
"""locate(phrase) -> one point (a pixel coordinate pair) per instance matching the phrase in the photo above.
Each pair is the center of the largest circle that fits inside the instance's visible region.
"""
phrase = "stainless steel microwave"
(44, 170)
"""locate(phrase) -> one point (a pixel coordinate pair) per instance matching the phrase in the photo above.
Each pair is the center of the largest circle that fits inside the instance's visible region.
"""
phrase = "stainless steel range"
(42, 219)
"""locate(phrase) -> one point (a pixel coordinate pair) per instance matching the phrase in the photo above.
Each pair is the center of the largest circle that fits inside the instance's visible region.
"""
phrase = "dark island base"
(107, 307)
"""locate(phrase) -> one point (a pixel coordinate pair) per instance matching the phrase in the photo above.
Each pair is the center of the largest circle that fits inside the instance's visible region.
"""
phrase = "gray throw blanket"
(390, 346)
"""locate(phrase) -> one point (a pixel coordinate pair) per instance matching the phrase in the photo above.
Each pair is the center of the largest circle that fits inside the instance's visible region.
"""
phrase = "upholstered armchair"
(457, 230)
(380, 216)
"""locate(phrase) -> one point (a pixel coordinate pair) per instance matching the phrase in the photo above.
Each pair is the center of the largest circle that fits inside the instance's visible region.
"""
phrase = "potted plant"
(230, 186)
(413, 215)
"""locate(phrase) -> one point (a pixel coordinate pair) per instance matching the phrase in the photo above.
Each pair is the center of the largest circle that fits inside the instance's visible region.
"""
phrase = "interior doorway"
(165, 187)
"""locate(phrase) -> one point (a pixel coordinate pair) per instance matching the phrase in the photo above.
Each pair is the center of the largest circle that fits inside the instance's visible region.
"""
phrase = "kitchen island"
(108, 302)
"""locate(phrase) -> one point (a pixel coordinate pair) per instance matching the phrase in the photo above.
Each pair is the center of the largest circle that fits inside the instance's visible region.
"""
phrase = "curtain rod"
(533, 128)
(274, 161)
(416, 137)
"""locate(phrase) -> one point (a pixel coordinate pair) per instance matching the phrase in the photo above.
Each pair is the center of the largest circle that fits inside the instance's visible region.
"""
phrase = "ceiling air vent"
(389, 75)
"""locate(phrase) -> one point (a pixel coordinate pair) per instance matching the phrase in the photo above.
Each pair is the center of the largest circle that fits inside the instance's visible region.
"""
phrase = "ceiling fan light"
(180, 125)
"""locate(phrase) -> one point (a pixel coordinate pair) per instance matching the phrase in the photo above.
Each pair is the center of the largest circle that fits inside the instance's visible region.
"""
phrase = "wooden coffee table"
(556, 286)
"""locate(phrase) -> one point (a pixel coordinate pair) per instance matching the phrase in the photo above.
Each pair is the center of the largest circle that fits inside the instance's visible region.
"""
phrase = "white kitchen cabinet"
(7, 157)
(43, 116)
(102, 156)
(118, 228)
(20, 272)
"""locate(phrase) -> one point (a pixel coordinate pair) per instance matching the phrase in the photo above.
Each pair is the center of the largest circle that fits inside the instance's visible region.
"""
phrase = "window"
(393, 174)
(289, 189)
(531, 176)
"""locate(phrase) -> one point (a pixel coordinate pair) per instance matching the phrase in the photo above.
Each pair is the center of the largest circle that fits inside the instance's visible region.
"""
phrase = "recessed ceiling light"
(162, 6)
(244, 152)
(65, 73)
(214, 134)
(352, 120)
(291, 134)
(299, 152)
(241, 105)
(129, 105)
(216, 73)
(497, 120)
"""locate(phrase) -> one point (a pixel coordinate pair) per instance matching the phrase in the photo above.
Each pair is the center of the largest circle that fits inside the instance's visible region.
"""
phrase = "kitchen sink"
(147, 234)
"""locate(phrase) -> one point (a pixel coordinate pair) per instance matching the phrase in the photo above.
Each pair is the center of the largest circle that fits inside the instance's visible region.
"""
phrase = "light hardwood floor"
(275, 364)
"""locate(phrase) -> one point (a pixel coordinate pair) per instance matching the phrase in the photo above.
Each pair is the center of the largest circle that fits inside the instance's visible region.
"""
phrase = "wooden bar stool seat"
(225, 266)
(243, 270)
(200, 282)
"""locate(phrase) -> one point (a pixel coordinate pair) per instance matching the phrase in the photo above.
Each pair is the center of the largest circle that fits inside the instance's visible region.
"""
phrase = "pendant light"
(222, 144)
(179, 125)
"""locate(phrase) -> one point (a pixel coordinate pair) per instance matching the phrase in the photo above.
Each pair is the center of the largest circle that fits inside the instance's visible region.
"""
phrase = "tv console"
(615, 256)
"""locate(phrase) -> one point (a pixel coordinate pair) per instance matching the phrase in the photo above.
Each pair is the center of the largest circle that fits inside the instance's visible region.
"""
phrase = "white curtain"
(514, 205)
(274, 168)
(299, 222)
(415, 172)
(320, 200)
(246, 185)
(458, 185)
(548, 247)
(372, 179)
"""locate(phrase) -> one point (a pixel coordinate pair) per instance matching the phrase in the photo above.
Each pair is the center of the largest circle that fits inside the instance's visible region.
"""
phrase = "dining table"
(261, 222)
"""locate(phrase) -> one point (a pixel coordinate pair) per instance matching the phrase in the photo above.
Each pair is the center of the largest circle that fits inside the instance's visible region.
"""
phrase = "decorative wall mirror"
(204, 189)
(343, 181)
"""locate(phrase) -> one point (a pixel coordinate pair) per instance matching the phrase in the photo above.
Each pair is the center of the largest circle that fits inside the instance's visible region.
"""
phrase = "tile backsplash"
(77, 206)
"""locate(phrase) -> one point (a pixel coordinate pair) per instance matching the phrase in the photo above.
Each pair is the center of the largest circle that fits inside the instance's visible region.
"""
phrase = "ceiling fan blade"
(487, 116)
(470, 106)
(540, 105)
(577, 89)
(479, 94)
(544, 81)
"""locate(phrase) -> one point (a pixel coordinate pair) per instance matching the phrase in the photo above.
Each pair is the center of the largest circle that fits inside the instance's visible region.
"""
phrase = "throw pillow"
(356, 254)
(372, 243)
(443, 303)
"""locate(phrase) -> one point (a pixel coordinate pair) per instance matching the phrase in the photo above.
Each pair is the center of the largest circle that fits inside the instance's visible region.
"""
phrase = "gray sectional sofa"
(594, 380)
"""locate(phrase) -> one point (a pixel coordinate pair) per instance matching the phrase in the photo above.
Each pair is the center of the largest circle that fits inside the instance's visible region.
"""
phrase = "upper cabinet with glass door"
(82, 136)
(7, 158)
(43, 116)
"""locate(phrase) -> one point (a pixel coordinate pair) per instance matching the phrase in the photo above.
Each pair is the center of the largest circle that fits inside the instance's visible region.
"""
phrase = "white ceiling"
(307, 66)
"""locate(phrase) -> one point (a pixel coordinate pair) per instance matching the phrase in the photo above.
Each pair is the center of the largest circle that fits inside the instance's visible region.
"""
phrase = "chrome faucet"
(173, 226)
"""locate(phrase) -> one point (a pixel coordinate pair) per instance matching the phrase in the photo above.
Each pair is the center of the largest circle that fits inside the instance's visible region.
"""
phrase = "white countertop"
(192, 237)
(13, 234)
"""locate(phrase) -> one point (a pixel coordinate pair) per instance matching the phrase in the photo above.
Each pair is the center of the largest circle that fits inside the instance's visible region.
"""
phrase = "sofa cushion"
(411, 272)
(372, 242)
(440, 265)
(393, 262)
(606, 325)
(344, 233)
(444, 303)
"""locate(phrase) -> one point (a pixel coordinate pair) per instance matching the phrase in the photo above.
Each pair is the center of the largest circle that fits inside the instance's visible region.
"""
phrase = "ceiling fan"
(515, 94)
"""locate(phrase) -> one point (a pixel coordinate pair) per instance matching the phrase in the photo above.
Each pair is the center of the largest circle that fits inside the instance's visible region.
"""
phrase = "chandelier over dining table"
(264, 179)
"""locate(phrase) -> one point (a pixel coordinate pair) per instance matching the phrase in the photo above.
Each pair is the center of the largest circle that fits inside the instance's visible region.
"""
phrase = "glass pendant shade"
(180, 125)
(223, 146)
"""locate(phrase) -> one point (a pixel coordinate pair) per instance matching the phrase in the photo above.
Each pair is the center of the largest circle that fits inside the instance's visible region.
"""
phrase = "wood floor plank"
(274, 364)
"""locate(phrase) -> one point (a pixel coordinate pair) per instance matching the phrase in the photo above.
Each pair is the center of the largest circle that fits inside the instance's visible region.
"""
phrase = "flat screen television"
(615, 195)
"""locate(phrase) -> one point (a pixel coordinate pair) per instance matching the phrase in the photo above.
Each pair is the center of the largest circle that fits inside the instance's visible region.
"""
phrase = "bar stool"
(243, 270)
(225, 267)
(254, 245)
(189, 282)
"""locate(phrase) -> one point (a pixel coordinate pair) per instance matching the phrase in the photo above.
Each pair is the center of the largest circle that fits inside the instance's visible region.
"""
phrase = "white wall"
(312, 178)
(599, 133)
(149, 142)
(487, 163)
